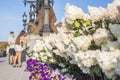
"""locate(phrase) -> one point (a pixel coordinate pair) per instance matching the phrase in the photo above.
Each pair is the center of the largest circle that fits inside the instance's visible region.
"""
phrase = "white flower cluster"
(101, 36)
(41, 50)
(39, 45)
(64, 45)
(82, 42)
(108, 62)
(57, 72)
(117, 69)
(73, 13)
(86, 58)
(97, 14)
(113, 45)
(86, 17)
(112, 12)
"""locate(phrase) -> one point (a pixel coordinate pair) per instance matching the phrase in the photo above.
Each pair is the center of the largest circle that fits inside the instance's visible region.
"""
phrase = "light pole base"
(46, 30)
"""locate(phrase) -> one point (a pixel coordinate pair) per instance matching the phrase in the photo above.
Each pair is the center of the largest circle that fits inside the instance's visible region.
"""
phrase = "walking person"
(18, 48)
(11, 43)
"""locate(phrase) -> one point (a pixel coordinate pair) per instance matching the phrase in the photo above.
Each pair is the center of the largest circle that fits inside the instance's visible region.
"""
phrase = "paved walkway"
(7, 72)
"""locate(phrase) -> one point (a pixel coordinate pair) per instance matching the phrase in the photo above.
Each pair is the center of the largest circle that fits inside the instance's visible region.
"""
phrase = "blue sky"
(11, 12)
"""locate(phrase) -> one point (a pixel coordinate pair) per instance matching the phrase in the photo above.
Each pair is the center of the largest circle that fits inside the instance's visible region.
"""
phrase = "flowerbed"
(88, 47)
(41, 71)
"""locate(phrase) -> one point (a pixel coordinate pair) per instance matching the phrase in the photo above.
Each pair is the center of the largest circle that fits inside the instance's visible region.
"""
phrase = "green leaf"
(113, 38)
(98, 24)
(77, 24)
(77, 33)
(95, 71)
(93, 46)
(91, 31)
(88, 23)
(82, 21)
(107, 22)
(43, 50)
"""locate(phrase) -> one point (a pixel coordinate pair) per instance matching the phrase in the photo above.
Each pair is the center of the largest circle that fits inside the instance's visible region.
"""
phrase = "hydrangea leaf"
(77, 24)
(77, 33)
(88, 23)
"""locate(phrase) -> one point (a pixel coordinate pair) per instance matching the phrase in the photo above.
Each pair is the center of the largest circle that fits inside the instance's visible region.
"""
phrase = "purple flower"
(40, 71)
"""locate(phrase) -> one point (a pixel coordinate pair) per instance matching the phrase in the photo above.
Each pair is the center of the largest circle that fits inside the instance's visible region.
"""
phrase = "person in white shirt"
(11, 42)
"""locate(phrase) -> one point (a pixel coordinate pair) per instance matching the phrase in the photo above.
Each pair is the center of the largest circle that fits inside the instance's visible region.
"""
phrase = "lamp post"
(52, 2)
(32, 13)
(46, 26)
(24, 20)
(35, 6)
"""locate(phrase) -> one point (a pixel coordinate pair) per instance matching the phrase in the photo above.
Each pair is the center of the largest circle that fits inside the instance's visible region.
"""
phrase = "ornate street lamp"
(35, 6)
(52, 2)
(32, 12)
(32, 8)
(24, 20)
(28, 1)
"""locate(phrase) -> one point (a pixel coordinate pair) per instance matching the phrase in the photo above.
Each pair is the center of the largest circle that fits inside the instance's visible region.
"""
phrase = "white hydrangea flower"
(110, 59)
(61, 29)
(117, 69)
(110, 74)
(117, 53)
(48, 53)
(86, 58)
(65, 38)
(71, 48)
(88, 62)
(118, 18)
(106, 59)
(87, 17)
(52, 39)
(39, 45)
(112, 10)
(82, 42)
(97, 14)
(101, 36)
(60, 46)
(57, 52)
(55, 72)
(36, 55)
(64, 23)
(113, 45)
(90, 58)
(47, 44)
(52, 60)
(73, 13)
(43, 56)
